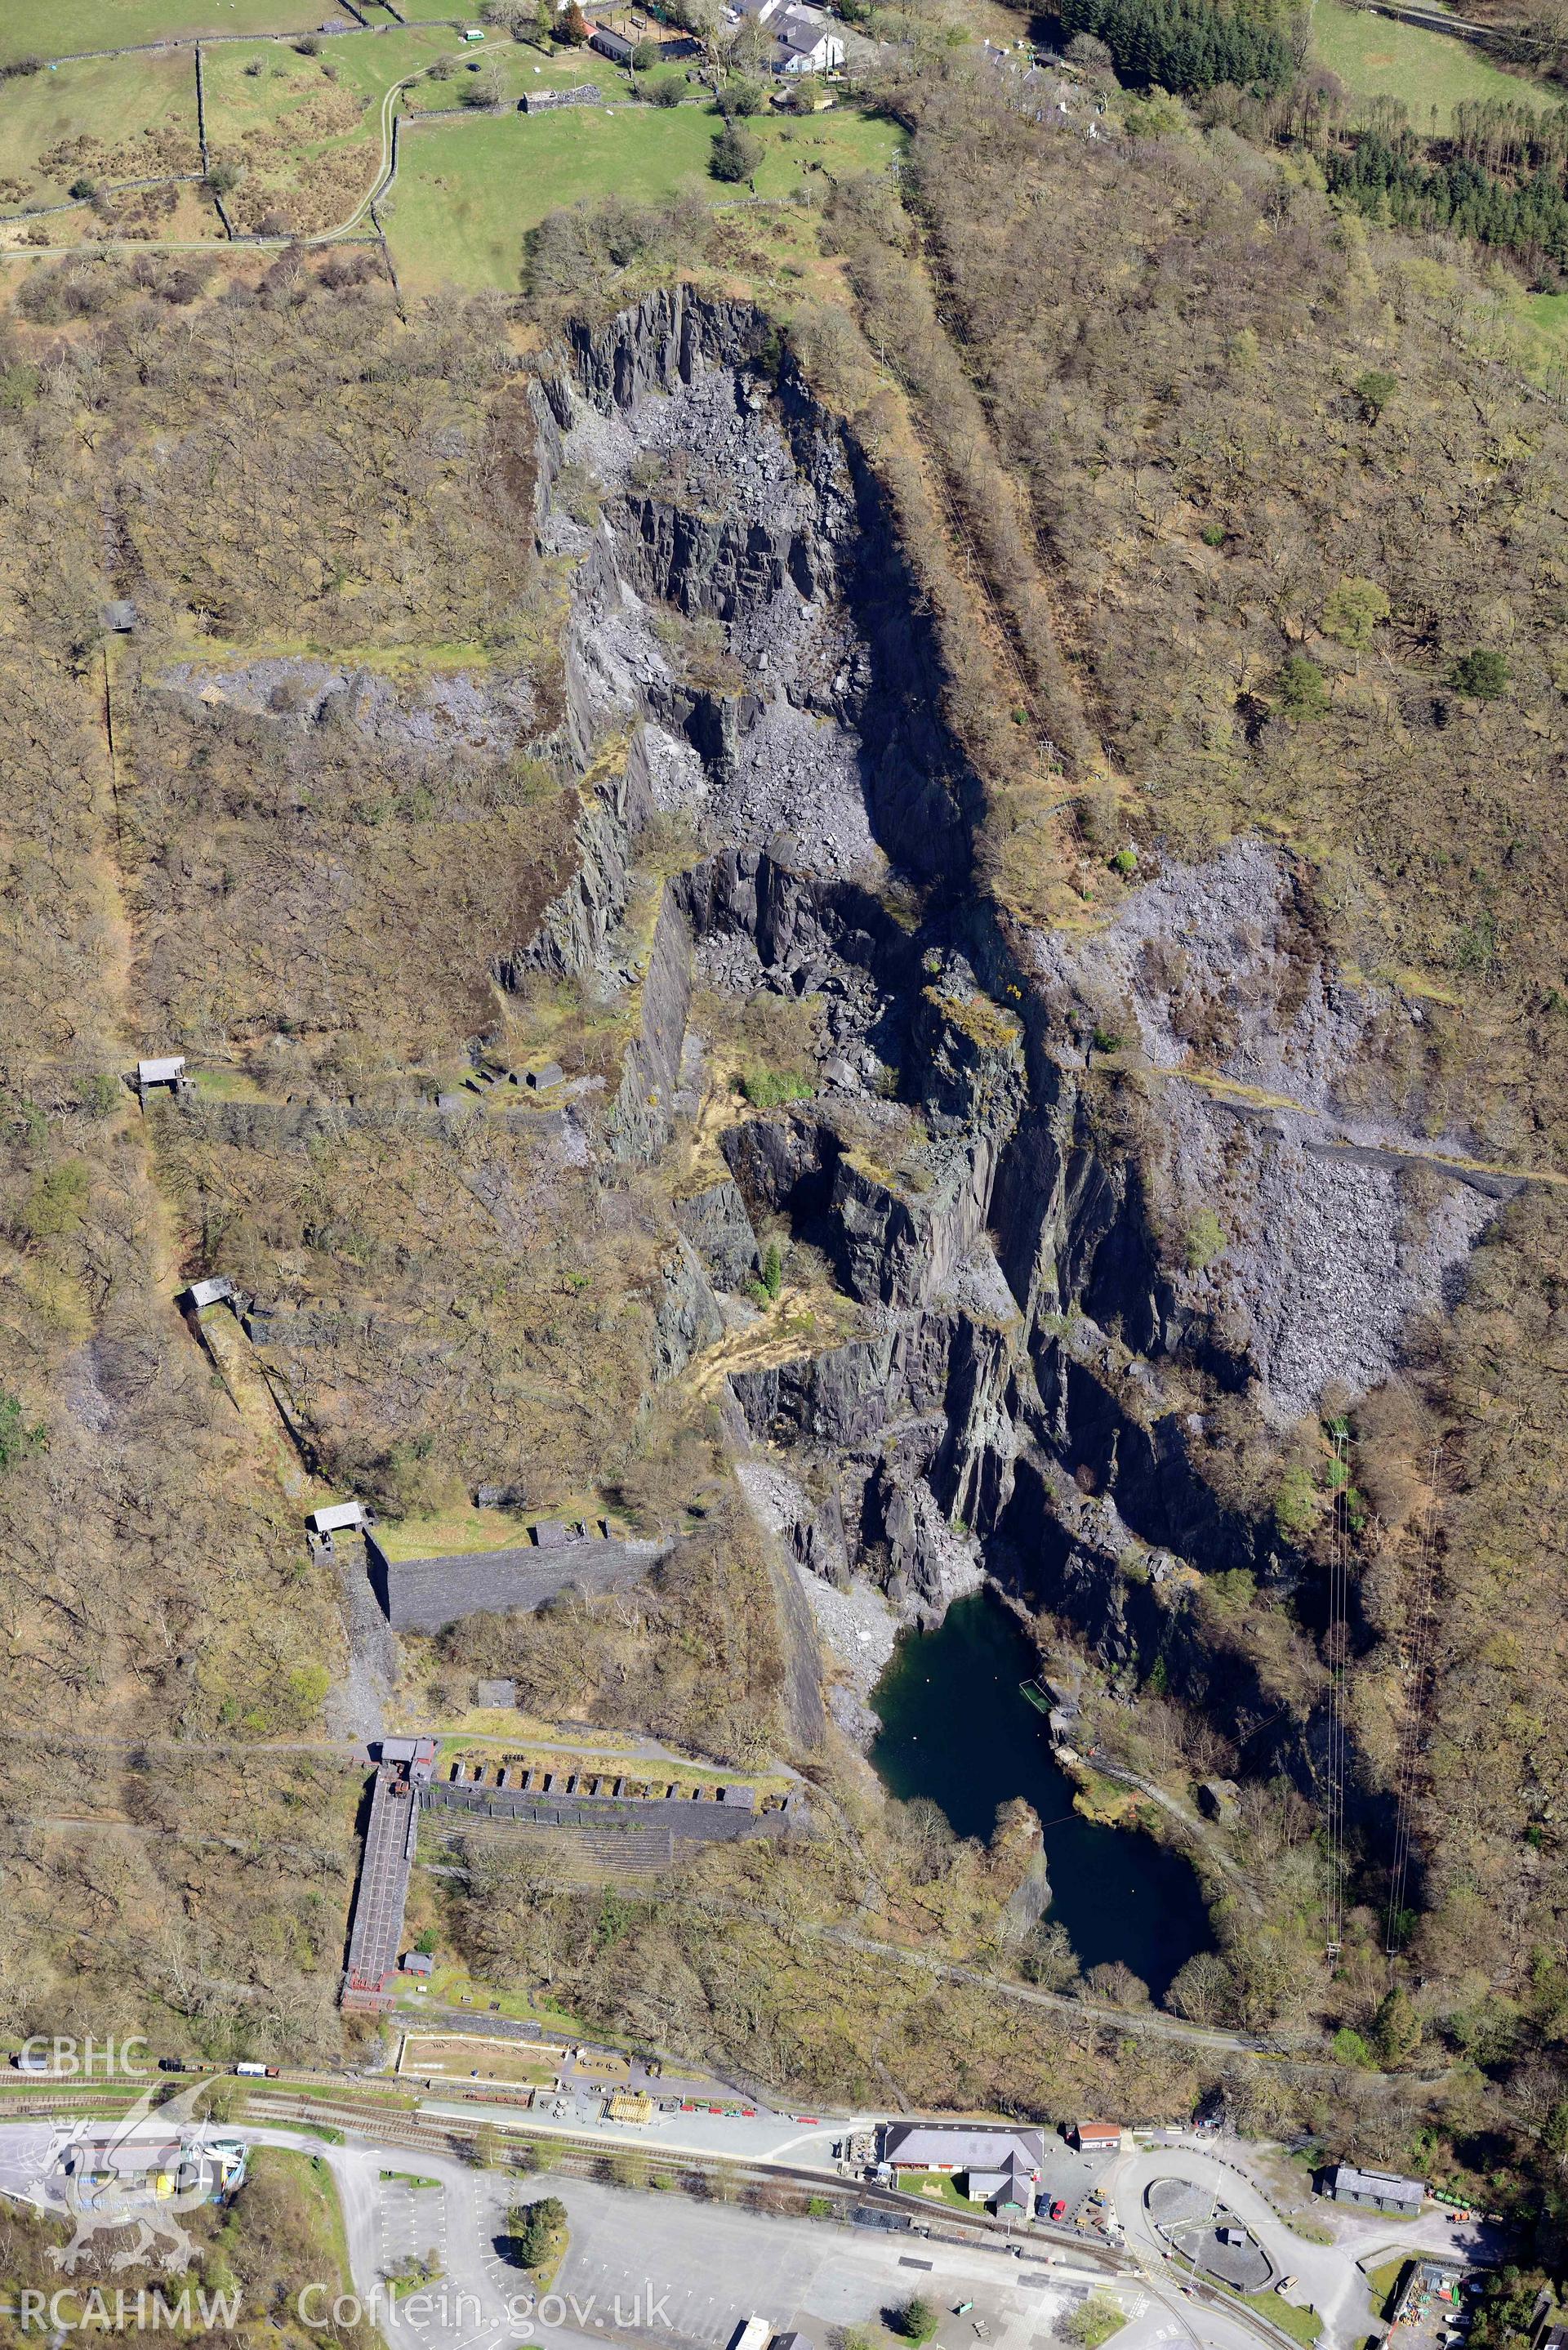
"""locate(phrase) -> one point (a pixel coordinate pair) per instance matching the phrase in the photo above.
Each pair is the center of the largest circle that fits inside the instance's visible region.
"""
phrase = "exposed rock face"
(579, 926)
(783, 1161)
(1054, 1249)
(661, 345)
(1320, 1247)
(1028, 1901)
(687, 1317)
(446, 718)
(644, 1107)
(716, 1224)
(854, 1624)
(732, 502)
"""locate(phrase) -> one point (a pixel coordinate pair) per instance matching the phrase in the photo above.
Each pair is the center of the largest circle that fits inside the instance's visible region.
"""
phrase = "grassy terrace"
(453, 1986)
(468, 193)
(446, 1533)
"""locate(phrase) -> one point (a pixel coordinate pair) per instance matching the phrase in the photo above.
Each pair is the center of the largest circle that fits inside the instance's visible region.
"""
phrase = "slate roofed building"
(998, 2150)
(806, 40)
(1011, 2188)
(1376, 2190)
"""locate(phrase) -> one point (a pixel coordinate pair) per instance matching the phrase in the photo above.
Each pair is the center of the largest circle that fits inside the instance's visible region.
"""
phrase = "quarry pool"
(956, 1729)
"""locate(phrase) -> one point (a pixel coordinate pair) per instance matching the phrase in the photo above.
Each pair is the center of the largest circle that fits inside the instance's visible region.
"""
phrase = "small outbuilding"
(416, 1962)
(418, 1754)
(336, 1518)
(170, 1071)
(1217, 1798)
(1096, 2137)
(539, 1081)
(217, 1291)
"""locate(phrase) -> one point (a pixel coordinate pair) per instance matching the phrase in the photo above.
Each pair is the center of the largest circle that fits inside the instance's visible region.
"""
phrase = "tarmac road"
(645, 2267)
(1328, 2275)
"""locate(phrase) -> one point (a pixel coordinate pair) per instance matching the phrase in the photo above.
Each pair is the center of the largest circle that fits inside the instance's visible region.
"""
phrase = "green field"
(365, 64)
(1377, 57)
(509, 67)
(116, 117)
(306, 130)
(801, 154)
(60, 29)
(1542, 333)
(468, 193)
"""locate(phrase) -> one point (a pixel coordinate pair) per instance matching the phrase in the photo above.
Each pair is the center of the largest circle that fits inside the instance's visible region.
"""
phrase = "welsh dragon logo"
(140, 2173)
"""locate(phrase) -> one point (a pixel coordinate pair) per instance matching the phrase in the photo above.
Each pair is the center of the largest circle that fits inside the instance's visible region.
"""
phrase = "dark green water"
(955, 1728)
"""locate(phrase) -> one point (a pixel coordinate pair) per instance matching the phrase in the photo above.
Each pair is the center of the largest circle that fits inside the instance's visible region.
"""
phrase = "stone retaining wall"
(426, 1593)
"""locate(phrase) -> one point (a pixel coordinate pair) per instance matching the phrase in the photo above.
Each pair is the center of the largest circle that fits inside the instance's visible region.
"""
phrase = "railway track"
(401, 2129)
(582, 2156)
